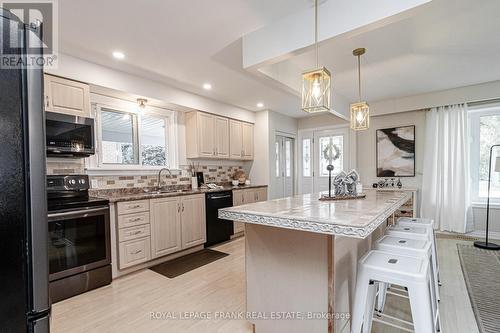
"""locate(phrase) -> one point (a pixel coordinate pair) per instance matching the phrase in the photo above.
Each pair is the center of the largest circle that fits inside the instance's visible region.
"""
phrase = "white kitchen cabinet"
(165, 226)
(66, 96)
(246, 196)
(240, 140)
(235, 140)
(247, 140)
(222, 137)
(193, 220)
(207, 135)
(134, 252)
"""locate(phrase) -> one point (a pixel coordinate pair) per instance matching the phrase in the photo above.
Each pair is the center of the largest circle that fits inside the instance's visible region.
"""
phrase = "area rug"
(182, 265)
(481, 270)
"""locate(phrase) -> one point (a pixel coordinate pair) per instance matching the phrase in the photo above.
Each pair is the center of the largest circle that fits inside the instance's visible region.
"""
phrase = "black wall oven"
(69, 136)
(79, 238)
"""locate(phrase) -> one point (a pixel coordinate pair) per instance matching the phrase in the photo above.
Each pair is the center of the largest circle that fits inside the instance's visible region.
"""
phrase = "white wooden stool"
(406, 271)
(423, 222)
(410, 247)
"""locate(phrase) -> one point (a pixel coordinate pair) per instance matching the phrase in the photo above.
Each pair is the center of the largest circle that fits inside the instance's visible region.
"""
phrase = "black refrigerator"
(24, 275)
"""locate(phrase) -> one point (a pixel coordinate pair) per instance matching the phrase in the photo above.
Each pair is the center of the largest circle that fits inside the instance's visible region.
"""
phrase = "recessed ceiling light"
(207, 86)
(118, 55)
(260, 105)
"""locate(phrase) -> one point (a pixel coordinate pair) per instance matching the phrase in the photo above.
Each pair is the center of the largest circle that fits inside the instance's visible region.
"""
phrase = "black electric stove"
(66, 192)
(79, 237)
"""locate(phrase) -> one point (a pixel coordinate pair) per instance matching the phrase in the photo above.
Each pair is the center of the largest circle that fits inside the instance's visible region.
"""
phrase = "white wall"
(82, 70)
(366, 146)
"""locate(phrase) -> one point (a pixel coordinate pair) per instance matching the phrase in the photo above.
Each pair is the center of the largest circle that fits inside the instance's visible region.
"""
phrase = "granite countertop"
(139, 193)
(352, 218)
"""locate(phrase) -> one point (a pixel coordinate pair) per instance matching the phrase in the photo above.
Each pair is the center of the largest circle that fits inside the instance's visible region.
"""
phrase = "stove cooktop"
(74, 203)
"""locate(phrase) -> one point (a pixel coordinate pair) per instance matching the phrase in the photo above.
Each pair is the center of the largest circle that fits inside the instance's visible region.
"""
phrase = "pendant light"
(360, 111)
(316, 84)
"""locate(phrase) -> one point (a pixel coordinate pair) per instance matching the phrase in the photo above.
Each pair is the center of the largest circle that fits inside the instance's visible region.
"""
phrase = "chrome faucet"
(159, 175)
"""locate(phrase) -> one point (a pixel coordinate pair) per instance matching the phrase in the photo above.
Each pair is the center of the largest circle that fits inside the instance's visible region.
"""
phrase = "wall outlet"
(93, 183)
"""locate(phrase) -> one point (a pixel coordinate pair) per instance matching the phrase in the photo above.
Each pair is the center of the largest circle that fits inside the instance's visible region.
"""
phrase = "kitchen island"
(301, 257)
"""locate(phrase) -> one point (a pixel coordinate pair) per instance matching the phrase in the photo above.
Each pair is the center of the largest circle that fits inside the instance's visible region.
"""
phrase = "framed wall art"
(396, 152)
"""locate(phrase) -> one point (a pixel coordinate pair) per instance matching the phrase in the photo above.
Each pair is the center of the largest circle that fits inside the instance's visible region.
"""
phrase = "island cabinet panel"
(193, 220)
(66, 96)
(166, 226)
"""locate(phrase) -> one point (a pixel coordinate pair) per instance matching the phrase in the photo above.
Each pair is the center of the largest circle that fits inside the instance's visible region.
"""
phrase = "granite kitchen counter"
(139, 193)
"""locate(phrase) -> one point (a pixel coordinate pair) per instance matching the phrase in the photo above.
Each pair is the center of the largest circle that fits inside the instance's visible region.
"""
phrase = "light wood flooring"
(126, 305)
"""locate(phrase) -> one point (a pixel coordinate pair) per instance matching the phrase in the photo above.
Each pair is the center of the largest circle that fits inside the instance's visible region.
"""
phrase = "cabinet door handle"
(178, 208)
(47, 100)
(183, 207)
(136, 252)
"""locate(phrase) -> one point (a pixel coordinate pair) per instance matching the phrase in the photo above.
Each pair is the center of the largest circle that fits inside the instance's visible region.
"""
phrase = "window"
(306, 157)
(119, 144)
(324, 142)
(277, 145)
(288, 158)
(153, 140)
(484, 132)
(133, 139)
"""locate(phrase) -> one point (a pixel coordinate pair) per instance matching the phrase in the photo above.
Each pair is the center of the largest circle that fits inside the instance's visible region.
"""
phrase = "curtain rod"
(483, 102)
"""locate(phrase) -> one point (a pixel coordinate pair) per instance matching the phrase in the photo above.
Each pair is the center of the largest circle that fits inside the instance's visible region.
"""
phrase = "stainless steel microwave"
(69, 136)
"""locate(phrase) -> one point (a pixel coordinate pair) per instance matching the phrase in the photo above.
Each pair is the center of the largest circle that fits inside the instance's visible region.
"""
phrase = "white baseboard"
(482, 234)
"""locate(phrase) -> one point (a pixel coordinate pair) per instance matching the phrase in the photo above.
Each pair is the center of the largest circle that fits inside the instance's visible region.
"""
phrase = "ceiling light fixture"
(360, 111)
(260, 105)
(118, 55)
(316, 84)
(141, 104)
(207, 86)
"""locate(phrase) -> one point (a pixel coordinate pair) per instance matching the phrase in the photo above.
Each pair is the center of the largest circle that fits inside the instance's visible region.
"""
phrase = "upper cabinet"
(66, 96)
(211, 136)
(240, 140)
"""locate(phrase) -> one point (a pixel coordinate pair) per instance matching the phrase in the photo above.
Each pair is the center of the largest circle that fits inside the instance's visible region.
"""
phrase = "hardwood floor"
(126, 305)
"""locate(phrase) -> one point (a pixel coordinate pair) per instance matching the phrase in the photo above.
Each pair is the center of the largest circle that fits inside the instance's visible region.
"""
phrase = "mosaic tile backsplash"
(212, 173)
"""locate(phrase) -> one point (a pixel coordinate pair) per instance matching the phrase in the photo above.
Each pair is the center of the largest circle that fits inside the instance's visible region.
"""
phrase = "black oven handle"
(81, 212)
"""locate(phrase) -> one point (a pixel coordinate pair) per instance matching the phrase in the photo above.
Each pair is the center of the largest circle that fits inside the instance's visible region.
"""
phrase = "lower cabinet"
(166, 226)
(134, 252)
(241, 197)
(193, 225)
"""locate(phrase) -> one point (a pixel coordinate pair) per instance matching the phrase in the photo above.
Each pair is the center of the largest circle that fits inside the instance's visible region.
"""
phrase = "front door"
(313, 163)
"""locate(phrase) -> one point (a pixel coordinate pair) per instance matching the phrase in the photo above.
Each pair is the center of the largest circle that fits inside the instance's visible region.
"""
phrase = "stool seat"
(396, 265)
(406, 243)
(401, 231)
(418, 220)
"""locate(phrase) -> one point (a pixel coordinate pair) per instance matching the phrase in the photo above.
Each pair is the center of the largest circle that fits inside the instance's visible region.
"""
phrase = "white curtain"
(445, 183)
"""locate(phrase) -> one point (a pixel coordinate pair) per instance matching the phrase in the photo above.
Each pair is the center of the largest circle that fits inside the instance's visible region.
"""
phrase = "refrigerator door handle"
(38, 266)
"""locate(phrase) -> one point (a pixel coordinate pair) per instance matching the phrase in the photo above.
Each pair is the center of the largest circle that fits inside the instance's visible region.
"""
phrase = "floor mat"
(182, 265)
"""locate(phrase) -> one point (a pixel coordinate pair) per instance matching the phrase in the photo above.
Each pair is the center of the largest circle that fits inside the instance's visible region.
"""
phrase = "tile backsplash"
(212, 173)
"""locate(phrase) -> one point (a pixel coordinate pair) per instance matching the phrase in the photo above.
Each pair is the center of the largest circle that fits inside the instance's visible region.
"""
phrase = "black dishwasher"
(218, 230)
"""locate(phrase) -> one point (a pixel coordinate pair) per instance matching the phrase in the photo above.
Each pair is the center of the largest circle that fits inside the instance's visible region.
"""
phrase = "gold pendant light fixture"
(316, 84)
(360, 111)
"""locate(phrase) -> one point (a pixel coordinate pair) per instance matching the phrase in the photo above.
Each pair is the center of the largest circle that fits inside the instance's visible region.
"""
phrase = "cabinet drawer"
(134, 252)
(130, 233)
(133, 207)
(131, 220)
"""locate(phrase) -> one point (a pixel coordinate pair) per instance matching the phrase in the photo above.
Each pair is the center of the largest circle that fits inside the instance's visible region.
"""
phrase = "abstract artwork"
(396, 152)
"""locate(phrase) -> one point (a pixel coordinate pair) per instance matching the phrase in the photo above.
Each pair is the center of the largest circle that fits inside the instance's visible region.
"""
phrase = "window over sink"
(132, 140)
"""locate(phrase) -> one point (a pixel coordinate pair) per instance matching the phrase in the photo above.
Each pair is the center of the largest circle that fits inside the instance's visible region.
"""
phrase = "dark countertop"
(138, 193)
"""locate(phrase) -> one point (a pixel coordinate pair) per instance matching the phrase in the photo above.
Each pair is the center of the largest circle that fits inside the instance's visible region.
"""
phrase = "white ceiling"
(445, 44)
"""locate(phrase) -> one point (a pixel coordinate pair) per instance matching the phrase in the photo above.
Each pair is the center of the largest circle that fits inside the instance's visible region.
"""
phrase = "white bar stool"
(410, 247)
(428, 223)
(417, 232)
(410, 272)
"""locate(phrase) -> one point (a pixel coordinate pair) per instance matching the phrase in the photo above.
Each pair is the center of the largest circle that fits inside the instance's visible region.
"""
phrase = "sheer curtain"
(445, 183)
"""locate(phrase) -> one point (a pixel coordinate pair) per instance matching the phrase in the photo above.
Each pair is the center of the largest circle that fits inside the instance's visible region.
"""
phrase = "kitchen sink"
(166, 190)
